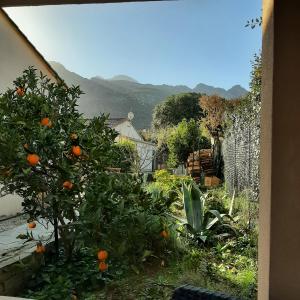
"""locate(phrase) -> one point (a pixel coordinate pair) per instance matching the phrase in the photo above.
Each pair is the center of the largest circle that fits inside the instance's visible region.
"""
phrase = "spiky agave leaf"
(187, 200)
(197, 204)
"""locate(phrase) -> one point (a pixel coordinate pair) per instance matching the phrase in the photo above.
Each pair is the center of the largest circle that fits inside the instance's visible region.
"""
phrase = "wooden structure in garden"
(200, 163)
(278, 255)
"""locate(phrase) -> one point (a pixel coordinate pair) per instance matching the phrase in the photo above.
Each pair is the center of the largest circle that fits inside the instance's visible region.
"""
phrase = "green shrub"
(126, 155)
(40, 127)
(218, 199)
(245, 210)
(120, 216)
(60, 279)
(203, 224)
(168, 184)
(183, 139)
(44, 143)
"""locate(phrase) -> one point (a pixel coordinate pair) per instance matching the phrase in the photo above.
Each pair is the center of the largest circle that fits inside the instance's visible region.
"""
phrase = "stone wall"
(14, 277)
(18, 259)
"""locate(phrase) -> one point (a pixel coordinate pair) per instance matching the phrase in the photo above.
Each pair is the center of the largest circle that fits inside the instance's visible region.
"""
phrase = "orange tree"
(49, 153)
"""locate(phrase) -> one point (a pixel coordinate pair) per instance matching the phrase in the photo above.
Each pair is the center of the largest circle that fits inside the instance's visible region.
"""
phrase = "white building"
(146, 150)
(17, 54)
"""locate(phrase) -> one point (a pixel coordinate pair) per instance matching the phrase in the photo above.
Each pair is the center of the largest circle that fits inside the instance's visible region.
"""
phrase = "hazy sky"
(176, 42)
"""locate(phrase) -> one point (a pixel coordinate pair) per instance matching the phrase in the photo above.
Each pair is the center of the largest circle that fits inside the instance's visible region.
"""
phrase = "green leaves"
(33, 99)
(175, 108)
(62, 279)
(193, 204)
(200, 222)
(184, 139)
(121, 217)
(254, 22)
(188, 204)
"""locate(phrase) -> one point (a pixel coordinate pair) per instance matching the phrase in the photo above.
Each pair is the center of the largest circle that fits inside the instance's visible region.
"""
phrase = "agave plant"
(201, 222)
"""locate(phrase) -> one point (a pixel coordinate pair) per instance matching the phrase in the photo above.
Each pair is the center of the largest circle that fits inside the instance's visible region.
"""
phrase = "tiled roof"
(113, 122)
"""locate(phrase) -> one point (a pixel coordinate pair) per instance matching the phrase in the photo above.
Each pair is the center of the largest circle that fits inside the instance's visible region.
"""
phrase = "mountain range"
(122, 94)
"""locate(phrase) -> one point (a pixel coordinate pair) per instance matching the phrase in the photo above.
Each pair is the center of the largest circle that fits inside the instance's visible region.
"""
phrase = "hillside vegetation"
(122, 94)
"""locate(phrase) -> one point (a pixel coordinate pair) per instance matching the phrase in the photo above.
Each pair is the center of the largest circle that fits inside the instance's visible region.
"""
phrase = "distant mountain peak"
(121, 94)
(236, 91)
(98, 77)
(124, 78)
(236, 88)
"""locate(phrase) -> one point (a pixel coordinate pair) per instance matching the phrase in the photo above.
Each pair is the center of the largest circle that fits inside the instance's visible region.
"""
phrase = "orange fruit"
(102, 255)
(20, 91)
(40, 248)
(46, 122)
(76, 150)
(31, 225)
(164, 234)
(33, 159)
(103, 266)
(68, 185)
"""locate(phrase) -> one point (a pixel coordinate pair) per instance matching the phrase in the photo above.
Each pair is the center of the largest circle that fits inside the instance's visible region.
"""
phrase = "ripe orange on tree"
(103, 266)
(40, 248)
(46, 122)
(31, 225)
(68, 185)
(20, 91)
(33, 159)
(102, 255)
(164, 234)
(76, 150)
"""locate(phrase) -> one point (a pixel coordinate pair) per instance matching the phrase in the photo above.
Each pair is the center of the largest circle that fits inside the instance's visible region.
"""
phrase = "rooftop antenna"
(130, 116)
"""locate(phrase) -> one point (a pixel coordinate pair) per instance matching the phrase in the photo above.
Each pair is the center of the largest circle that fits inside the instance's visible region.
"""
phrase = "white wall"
(15, 56)
(145, 150)
(146, 154)
(126, 129)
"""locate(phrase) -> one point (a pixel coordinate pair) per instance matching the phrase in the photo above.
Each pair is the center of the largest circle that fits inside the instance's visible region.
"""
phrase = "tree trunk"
(217, 157)
(55, 224)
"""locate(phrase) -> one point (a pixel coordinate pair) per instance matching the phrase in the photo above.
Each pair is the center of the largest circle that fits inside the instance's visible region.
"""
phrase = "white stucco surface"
(145, 149)
(15, 56)
(146, 153)
(126, 129)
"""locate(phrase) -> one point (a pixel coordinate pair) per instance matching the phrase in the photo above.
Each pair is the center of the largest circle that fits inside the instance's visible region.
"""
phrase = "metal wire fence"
(241, 153)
